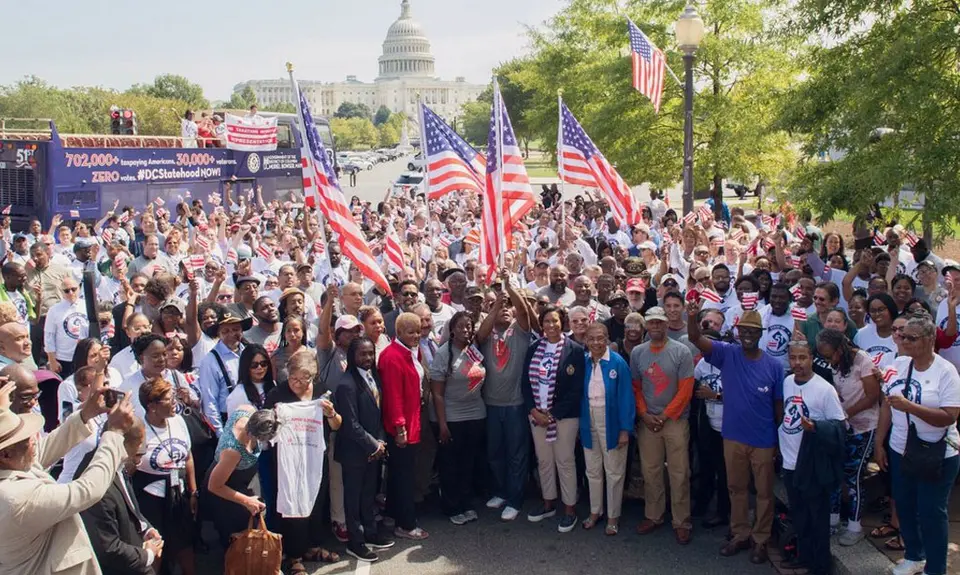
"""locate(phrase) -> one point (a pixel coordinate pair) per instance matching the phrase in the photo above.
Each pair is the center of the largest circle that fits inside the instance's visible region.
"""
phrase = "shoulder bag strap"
(223, 370)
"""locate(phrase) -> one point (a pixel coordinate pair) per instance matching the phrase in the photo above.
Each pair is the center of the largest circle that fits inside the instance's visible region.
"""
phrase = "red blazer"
(401, 390)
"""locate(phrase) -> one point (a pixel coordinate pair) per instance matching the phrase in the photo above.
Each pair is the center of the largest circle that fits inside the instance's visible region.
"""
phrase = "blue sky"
(116, 43)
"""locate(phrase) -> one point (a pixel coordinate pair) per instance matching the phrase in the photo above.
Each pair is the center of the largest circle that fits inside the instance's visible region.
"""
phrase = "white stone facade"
(406, 69)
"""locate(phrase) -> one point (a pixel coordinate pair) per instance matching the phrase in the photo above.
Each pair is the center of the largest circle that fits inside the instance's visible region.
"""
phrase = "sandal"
(612, 529)
(894, 543)
(295, 567)
(321, 555)
(591, 522)
(884, 531)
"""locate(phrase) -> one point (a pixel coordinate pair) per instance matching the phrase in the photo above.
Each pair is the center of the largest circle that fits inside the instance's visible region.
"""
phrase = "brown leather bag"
(255, 551)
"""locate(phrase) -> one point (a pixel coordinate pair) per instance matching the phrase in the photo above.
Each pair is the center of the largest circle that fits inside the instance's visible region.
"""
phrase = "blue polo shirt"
(750, 388)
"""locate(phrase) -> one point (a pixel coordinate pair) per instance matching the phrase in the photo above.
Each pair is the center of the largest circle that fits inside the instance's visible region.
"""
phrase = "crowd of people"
(680, 355)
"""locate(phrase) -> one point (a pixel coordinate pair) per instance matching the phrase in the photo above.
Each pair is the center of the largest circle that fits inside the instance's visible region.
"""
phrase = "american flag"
(750, 300)
(911, 239)
(393, 251)
(581, 163)
(320, 185)
(507, 194)
(264, 251)
(798, 313)
(648, 65)
(452, 164)
(796, 291)
(878, 238)
(801, 233)
(710, 295)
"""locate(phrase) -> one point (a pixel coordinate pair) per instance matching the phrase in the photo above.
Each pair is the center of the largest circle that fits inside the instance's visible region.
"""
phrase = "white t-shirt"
(188, 131)
(776, 334)
(869, 341)
(166, 450)
(66, 325)
(202, 348)
(21, 304)
(938, 386)
(125, 362)
(441, 317)
(71, 461)
(238, 398)
(69, 400)
(952, 353)
(709, 376)
(300, 454)
(816, 400)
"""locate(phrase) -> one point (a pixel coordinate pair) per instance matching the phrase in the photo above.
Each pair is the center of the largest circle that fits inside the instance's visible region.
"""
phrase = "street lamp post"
(689, 33)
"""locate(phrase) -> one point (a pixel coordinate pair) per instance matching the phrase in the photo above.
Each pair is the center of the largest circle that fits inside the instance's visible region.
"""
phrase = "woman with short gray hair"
(920, 410)
(231, 500)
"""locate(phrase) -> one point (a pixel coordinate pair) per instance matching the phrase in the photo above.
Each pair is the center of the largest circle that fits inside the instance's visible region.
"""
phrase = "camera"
(112, 396)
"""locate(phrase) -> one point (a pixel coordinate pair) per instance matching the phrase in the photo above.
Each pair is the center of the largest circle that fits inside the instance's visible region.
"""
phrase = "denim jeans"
(922, 507)
(508, 451)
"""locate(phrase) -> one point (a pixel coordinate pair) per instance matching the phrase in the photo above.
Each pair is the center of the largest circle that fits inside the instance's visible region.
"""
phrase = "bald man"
(67, 324)
(15, 345)
(27, 393)
(351, 297)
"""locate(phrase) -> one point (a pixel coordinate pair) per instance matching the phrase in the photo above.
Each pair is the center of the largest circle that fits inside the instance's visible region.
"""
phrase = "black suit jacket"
(362, 428)
(570, 376)
(114, 532)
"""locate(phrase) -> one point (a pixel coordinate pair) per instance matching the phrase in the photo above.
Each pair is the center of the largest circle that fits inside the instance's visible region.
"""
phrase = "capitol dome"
(406, 49)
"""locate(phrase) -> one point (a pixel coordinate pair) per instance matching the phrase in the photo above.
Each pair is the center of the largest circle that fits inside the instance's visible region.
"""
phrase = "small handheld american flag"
(801, 233)
(710, 295)
(911, 239)
(264, 251)
(798, 313)
(750, 300)
(878, 238)
(796, 292)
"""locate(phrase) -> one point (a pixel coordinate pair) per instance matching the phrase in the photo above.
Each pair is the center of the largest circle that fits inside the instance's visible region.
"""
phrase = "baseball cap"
(244, 252)
(346, 322)
(751, 319)
(647, 245)
(473, 291)
(617, 296)
(949, 265)
(174, 303)
(244, 279)
(655, 313)
(635, 285)
(633, 266)
(670, 277)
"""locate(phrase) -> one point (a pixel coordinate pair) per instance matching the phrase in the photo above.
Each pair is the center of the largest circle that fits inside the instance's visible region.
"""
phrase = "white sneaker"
(459, 519)
(908, 567)
(509, 513)
(471, 515)
(496, 502)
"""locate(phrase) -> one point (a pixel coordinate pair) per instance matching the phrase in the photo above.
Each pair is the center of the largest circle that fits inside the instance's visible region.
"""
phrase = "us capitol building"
(406, 69)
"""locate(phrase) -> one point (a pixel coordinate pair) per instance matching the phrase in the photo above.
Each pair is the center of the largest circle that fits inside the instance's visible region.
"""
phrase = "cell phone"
(112, 396)
(328, 395)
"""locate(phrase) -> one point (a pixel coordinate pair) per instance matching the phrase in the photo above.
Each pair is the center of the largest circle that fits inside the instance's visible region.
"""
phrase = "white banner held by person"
(251, 134)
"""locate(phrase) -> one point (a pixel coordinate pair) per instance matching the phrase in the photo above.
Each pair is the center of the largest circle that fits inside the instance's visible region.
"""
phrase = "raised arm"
(519, 303)
(192, 320)
(704, 344)
(324, 331)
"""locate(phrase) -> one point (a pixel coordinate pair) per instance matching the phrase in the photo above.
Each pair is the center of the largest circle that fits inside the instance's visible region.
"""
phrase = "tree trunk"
(717, 198)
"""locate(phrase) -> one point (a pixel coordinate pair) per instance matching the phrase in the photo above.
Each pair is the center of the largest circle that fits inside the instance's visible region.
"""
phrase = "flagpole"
(498, 190)
(321, 224)
(560, 168)
(423, 147)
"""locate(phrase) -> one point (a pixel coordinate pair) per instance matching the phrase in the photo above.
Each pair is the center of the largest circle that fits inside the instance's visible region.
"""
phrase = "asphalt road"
(521, 547)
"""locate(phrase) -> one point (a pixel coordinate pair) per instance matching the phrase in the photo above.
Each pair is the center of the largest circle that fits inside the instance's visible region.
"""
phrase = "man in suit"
(123, 540)
(41, 531)
(360, 447)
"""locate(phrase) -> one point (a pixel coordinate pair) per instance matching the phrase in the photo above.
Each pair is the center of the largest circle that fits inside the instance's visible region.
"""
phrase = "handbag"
(922, 460)
(255, 551)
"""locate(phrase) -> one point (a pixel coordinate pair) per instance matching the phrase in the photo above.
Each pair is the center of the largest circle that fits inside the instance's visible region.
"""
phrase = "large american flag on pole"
(452, 163)
(329, 198)
(584, 165)
(649, 65)
(507, 194)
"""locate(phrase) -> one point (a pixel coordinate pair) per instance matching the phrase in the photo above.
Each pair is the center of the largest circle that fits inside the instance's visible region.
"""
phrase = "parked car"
(416, 163)
(409, 184)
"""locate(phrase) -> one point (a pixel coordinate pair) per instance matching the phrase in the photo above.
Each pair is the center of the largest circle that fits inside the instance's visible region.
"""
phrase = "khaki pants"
(741, 460)
(337, 513)
(600, 461)
(670, 444)
(557, 458)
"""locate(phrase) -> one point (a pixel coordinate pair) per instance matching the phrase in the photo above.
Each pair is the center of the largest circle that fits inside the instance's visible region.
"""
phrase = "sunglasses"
(70, 290)
(259, 364)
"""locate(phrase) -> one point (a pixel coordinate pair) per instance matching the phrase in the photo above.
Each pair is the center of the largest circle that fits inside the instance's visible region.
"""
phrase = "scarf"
(543, 372)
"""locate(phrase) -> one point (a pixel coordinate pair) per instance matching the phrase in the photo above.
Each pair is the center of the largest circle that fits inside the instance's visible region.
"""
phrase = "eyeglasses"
(259, 364)
(410, 294)
(911, 338)
(821, 298)
(878, 311)
(70, 290)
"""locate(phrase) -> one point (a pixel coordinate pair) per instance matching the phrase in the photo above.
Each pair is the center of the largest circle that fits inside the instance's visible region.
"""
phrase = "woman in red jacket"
(402, 373)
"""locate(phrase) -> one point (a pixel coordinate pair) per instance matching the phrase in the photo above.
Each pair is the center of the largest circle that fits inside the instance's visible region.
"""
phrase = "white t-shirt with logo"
(938, 386)
(777, 331)
(21, 304)
(952, 353)
(709, 376)
(869, 341)
(66, 325)
(814, 399)
(166, 450)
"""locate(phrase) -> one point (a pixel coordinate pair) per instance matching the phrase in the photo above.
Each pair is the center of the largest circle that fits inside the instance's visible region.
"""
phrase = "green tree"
(475, 121)
(382, 115)
(243, 99)
(354, 133)
(281, 108)
(173, 87)
(898, 76)
(744, 63)
(352, 110)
